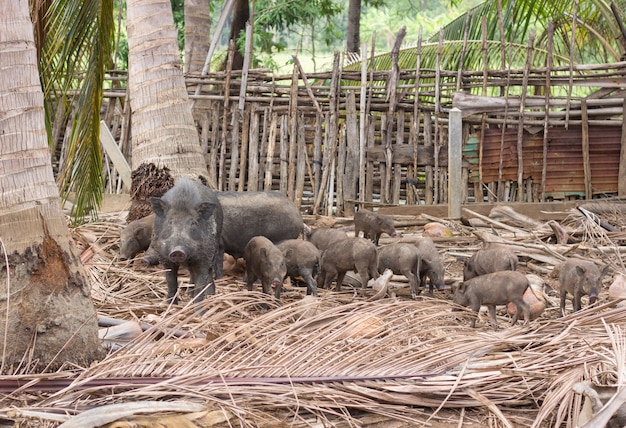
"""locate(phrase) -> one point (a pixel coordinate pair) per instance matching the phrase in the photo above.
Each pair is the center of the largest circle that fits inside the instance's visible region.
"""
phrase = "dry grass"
(339, 360)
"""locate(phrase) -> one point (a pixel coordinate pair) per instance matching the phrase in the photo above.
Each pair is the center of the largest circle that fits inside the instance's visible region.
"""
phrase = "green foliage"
(76, 53)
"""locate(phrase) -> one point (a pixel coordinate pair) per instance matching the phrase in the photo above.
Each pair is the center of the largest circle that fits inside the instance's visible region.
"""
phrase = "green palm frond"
(597, 36)
(77, 50)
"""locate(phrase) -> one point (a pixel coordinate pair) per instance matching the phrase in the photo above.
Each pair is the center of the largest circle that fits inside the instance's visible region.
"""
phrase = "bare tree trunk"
(354, 30)
(48, 319)
(163, 130)
(241, 15)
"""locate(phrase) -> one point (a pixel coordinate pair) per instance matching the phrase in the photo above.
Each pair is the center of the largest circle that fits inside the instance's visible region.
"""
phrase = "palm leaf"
(77, 49)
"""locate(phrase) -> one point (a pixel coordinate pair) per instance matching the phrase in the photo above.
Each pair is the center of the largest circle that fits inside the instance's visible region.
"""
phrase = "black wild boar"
(250, 214)
(264, 262)
(353, 253)
(402, 259)
(136, 237)
(302, 259)
(580, 278)
(323, 237)
(488, 261)
(491, 289)
(373, 224)
(186, 232)
(432, 265)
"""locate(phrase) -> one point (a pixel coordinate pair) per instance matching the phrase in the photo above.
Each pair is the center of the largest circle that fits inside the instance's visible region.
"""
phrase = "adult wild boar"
(489, 260)
(136, 237)
(432, 265)
(353, 253)
(302, 259)
(491, 289)
(250, 214)
(323, 237)
(265, 262)
(579, 278)
(373, 224)
(402, 259)
(186, 232)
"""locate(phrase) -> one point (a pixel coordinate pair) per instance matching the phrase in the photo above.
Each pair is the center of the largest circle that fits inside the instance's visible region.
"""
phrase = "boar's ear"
(604, 270)
(206, 209)
(288, 254)
(580, 270)
(159, 206)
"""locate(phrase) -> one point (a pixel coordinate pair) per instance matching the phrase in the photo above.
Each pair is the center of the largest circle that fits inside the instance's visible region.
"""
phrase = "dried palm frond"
(330, 361)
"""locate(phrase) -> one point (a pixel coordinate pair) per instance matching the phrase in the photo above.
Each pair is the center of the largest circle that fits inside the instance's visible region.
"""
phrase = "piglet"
(324, 237)
(265, 262)
(579, 278)
(488, 261)
(373, 225)
(491, 289)
(353, 253)
(432, 265)
(302, 259)
(402, 259)
(136, 237)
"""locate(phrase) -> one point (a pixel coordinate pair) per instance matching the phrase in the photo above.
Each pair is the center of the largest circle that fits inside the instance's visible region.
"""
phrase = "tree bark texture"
(241, 14)
(163, 129)
(197, 34)
(353, 35)
(48, 319)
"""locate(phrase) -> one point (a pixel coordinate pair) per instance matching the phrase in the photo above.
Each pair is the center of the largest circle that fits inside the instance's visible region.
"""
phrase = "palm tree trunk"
(197, 34)
(47, 315)
(163, 130)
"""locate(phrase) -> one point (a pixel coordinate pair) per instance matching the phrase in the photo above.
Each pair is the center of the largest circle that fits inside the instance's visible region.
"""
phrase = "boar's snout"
(178, 255)
(123, 257)
(593, 297)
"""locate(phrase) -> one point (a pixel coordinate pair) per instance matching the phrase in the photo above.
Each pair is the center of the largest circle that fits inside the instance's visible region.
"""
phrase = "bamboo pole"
(411, 182)
(293, 133)
(362, 122)
(520, 125)
(585, 152)
(546, 127)
(352, 172)
(621, 181)
(253, 151)
(284, 153)
(303, 164)
(571, 63)
(271, 148)
(221, 179)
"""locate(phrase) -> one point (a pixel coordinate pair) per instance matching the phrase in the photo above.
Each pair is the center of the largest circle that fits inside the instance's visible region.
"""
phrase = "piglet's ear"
(206, 209)
(159, 206)
(580, 271)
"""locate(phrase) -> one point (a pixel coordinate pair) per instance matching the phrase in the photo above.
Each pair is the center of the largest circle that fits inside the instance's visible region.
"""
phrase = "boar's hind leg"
(521, 306)
(340, 276)
(171, 277)
(311, 286)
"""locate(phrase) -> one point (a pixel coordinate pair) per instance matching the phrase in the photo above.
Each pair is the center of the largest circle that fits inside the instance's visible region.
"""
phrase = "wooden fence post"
(455, 144)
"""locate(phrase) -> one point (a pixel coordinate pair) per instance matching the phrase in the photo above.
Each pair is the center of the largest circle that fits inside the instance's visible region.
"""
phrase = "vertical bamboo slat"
(271, 148)
(621, 180)
(302, 165)
(352, 171)
(546, 126)
(585, 149)
(253, 151)
(520, 125)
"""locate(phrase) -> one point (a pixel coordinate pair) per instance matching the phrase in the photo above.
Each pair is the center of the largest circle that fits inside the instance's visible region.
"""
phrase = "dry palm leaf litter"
(354, 358)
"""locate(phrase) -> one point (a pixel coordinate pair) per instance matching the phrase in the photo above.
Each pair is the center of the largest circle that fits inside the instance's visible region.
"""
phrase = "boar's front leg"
(171, 277)
(492, 316)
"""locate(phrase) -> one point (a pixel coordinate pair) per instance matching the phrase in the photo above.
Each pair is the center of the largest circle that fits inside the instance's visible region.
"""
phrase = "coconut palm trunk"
(163, 130)
(197, 34)
(47, 317)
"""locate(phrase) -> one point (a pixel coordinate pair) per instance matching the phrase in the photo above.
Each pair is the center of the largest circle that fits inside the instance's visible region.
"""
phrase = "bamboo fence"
(353, 136)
